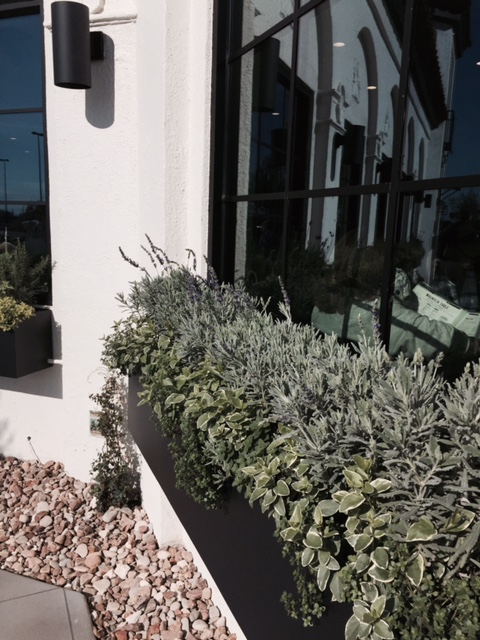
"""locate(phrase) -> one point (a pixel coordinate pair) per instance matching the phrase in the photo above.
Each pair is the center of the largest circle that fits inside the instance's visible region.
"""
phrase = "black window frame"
(226, 90)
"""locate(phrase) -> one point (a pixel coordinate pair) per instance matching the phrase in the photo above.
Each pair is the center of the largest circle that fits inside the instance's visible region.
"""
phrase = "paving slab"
(34, 610)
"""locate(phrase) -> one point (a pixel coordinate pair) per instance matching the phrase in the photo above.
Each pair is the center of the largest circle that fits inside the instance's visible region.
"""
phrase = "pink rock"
(93, 560)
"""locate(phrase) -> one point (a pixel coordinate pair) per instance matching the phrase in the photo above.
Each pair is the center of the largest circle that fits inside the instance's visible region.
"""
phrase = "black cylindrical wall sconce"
(71, 45)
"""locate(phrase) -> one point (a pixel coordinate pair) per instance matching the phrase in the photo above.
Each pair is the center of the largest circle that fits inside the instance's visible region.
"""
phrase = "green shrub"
(116, 480)
(24, 275)
(21, 279)
(370, 467)
(13, 313)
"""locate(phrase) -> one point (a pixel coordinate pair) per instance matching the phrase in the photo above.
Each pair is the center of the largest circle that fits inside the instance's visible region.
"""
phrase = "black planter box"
(28, 348)
(237, 545)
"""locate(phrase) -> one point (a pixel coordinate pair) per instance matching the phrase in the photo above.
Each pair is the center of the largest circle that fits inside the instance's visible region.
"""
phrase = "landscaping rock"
(49, 530)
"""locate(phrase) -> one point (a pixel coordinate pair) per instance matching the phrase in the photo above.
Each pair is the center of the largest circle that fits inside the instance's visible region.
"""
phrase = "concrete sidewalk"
(34, 610)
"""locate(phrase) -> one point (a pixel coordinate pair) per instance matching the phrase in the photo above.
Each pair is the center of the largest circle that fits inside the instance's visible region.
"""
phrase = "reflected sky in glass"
(22, 170)
(465, 158)
(25, 175)
(20, 63)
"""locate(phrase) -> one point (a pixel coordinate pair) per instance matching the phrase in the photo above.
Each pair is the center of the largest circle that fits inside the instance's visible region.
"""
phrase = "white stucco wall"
(127, 157)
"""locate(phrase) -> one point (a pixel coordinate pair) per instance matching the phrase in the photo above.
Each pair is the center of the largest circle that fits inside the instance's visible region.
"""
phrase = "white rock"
(42, 506)
(110, 515)
(102, 585)
(213, 613)
(134, 617)
(121, 570)
(46, 521)
(82, 550)
(199, 625)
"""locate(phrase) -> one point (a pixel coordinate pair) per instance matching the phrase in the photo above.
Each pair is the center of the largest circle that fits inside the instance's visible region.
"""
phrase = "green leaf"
(282, 488)
(459, 521)
(314, 540)
(258, 493)
(352, 523)
(290, 534)
(380, 557)
(337, 587)
(421, 531)
(339, 495)
(381, 484)
(323, 574)
(381, 575)
(351, 501)
(174, 398)
(354, 479)
(360, 611)
(317, 515)
(203, 420)
(307, 556)
(327, 508)
(333, 564)
(363, 463)
(268, 499)
(378, 606)
(279, 507)
(382, 630)
(297, 516)
(356, 629)
(415, 569)
(370, 591)
(362, 563)
(362, 542)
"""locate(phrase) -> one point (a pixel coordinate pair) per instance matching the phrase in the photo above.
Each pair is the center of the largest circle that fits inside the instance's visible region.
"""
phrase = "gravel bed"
(50, 530)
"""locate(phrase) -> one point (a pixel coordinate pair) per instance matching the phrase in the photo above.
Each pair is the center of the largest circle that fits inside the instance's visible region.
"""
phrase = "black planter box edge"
(236, 544)
(28, 348)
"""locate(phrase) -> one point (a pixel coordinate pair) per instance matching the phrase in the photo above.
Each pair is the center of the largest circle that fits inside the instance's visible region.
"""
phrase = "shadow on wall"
(100, 99)
(47, 383)
(5, 439)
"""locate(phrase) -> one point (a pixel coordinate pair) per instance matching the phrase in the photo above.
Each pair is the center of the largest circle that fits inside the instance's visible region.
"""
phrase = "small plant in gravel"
(370, 467)
(115, 475)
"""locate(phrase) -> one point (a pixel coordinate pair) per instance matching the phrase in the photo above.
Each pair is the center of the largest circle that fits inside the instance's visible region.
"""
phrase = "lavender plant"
(370, 467)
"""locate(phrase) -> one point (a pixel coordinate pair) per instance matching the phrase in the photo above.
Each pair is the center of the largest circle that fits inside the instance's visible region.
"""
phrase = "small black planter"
(237, 545)
(28, 348)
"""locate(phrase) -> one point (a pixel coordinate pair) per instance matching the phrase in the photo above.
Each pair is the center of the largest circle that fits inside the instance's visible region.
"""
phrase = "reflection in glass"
(258, 248)
(264, 116)
(27, 224)
(21, 67)
(346, 84)
(22, 144)
(461, 150)
(261, 15)
(436, 276)
(444, 93)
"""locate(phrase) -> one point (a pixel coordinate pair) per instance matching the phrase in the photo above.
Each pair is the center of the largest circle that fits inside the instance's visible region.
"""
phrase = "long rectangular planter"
(28, 348)
(237, 545)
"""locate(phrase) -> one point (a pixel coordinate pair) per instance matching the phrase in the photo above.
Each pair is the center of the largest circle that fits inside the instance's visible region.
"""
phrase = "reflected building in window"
(340, 139)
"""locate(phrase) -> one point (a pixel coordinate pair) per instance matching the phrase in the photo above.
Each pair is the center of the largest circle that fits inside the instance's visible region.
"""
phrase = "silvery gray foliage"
(348, 450)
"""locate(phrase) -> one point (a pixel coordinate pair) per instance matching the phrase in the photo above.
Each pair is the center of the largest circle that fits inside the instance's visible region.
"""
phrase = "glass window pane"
(261, 15)
(22, 168)
(345, 94)
(25, 223)
(436, 305)
(258, 247)
(264, 116)
(20, 62)
(444, 93)
(436, 270)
